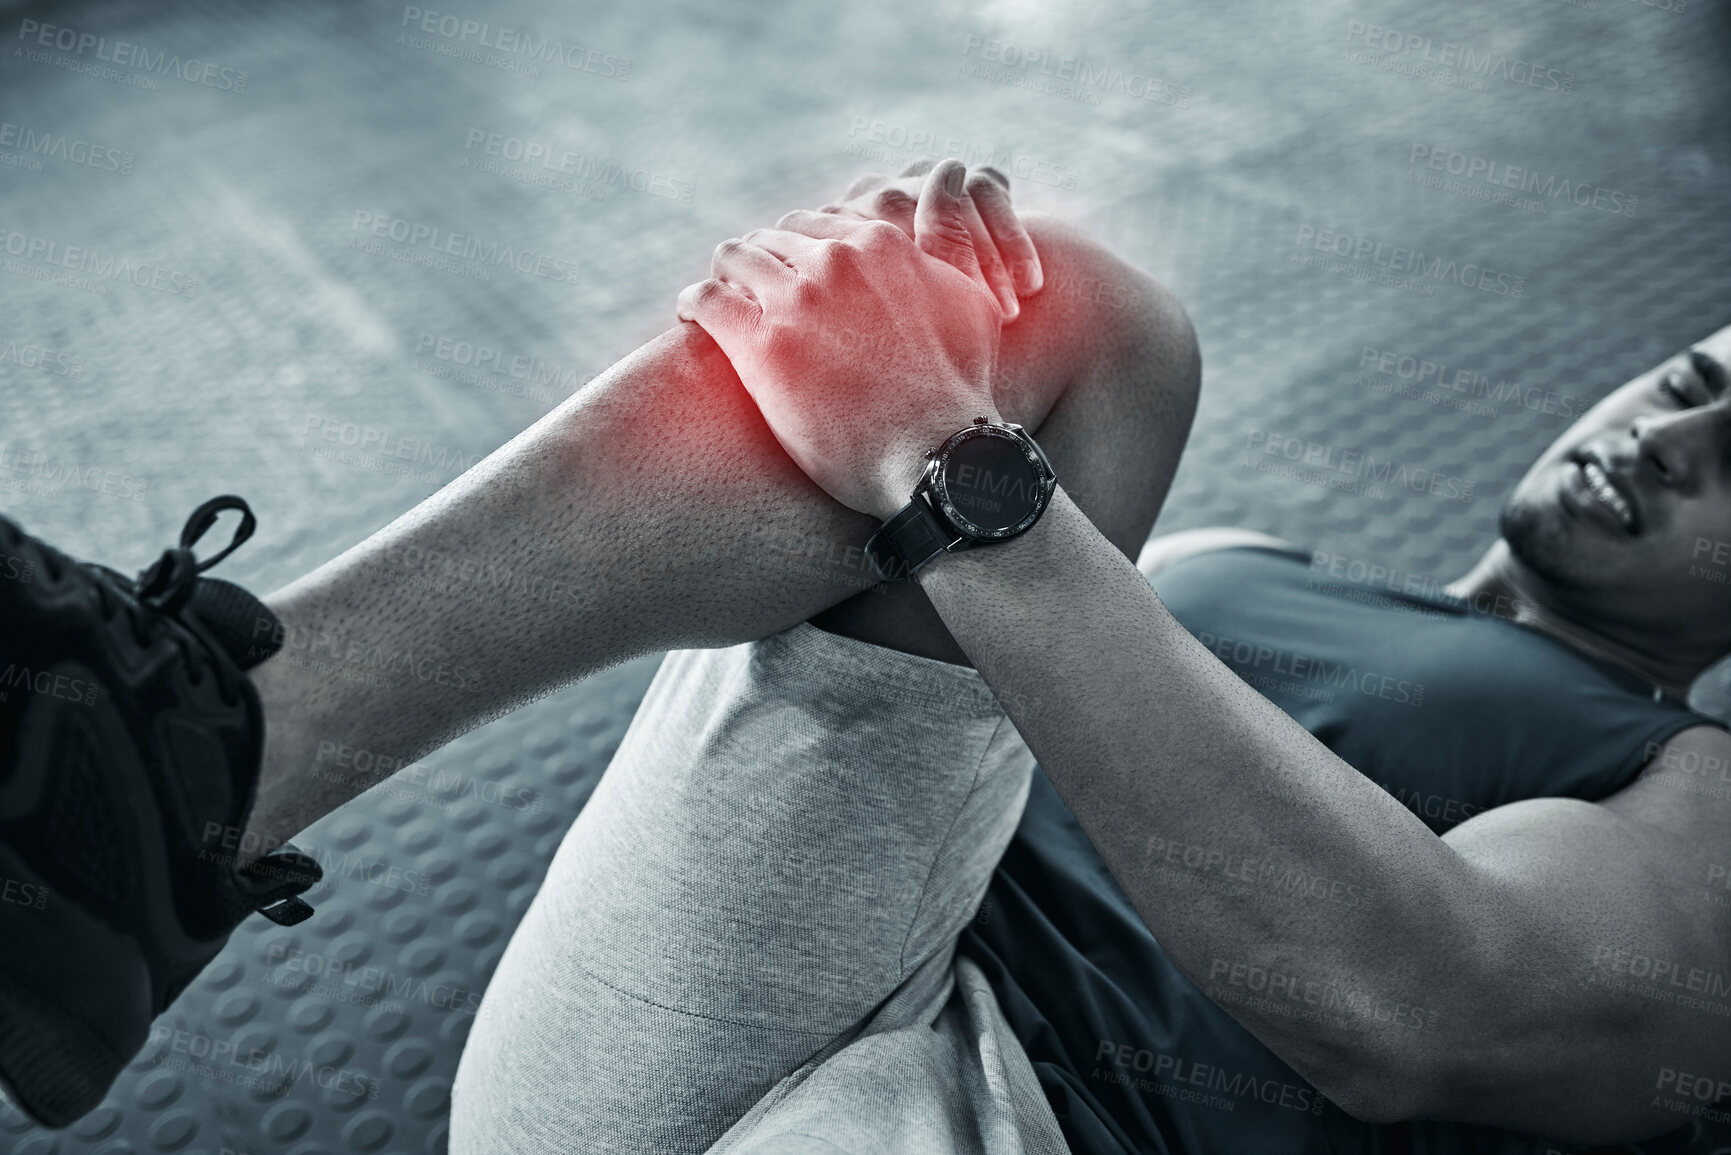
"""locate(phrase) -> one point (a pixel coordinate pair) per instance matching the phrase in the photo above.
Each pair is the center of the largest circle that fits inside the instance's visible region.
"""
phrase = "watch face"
(989, 485)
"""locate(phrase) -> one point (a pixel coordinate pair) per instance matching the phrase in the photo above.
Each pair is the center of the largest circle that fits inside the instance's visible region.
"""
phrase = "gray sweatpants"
(746, 941)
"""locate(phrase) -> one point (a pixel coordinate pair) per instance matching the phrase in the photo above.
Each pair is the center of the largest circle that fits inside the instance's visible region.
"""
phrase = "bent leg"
(654, 510)
(792, 832)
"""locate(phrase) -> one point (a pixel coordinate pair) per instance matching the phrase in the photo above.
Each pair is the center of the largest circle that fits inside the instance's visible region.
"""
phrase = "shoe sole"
(53, 1063)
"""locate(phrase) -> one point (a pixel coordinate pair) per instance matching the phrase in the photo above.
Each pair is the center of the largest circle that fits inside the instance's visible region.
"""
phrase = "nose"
(1675, 448)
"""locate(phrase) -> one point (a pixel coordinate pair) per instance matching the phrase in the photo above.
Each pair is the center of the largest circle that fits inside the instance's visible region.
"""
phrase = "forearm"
(652, 510)
(1180, 773)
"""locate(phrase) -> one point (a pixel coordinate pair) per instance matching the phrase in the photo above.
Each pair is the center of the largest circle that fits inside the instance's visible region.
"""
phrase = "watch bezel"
(1045, 481)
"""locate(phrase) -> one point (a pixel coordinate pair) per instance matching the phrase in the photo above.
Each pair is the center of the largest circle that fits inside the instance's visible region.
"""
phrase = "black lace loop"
(168, 584)
(169, 581)
(202, 518)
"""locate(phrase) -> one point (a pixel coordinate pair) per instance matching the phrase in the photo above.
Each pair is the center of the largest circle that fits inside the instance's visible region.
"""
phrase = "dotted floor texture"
(1563, 168)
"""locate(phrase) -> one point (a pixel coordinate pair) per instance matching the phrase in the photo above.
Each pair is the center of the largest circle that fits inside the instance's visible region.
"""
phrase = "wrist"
(898, 474)
(903, 462)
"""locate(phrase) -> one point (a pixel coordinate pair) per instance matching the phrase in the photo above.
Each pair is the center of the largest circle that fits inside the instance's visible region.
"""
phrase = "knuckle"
(893, 200)
(836, 255)
(947, 231)
(980, 186)
(705, 294)
(879, 234)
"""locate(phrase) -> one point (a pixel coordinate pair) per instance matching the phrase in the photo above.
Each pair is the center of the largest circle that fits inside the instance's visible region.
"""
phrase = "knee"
(1103, 323)
(1105, 361)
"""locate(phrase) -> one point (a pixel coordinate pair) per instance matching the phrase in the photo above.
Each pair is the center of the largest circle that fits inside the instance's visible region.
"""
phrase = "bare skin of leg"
(654, 510)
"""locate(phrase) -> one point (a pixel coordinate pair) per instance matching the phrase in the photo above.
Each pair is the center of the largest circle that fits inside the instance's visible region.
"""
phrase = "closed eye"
(1680, 388)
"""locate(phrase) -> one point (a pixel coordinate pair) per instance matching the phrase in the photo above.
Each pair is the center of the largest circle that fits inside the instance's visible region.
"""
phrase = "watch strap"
(909, 539)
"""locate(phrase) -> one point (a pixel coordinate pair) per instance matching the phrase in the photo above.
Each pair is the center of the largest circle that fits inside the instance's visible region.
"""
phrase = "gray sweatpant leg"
(758, 909)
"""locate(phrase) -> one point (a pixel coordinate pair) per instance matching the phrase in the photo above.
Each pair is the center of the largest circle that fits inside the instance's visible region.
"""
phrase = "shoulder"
(1685, 783)
(1164, 551)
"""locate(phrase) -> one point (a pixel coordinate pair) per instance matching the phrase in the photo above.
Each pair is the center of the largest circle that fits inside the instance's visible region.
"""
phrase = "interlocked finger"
(821, 224)
(745, 263)
(791, 249)
(991, 197)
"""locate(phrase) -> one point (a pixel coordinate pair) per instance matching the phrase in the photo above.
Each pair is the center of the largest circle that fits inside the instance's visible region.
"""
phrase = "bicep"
(1602, 967)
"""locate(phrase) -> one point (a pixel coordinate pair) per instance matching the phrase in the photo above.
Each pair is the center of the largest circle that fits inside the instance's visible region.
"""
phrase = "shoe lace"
(167, 584)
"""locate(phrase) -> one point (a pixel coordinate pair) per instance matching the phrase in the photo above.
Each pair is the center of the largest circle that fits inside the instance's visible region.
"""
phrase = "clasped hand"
(868, 332)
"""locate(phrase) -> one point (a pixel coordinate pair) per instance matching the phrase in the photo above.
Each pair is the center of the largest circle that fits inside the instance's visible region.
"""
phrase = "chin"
(1539, 539)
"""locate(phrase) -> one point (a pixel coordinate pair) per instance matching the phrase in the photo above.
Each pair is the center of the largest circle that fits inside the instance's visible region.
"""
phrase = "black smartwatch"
(985, 484)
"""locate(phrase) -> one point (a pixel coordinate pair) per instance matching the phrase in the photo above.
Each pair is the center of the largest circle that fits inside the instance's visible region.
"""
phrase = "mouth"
(1604, 493)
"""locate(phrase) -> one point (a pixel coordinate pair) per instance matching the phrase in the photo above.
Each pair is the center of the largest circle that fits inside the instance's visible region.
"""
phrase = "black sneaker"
(130, 740)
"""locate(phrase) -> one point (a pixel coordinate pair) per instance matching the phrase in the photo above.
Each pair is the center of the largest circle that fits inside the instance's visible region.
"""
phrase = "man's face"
(1627, 516)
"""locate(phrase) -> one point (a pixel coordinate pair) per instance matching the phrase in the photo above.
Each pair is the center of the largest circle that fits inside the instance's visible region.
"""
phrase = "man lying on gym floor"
(749, 936)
